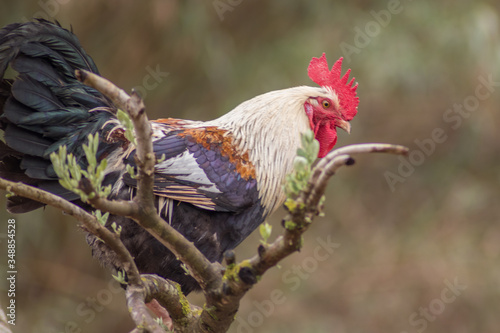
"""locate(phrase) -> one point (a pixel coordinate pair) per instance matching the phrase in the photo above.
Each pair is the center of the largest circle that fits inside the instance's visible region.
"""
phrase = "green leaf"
(102, 219)
(70, 172)
(307, 138)
(161, 159)
(126, 122)
(314, 149)
(106, 191)
(120, 277)
(131, 171)
(185, 268)
(101, 167)
(306, 155)
(300, 163)
(290, 225)
(265, 231)
(116, 228)
(96, 142)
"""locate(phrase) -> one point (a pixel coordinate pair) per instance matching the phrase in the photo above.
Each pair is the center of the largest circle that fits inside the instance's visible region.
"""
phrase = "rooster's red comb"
(319, 72)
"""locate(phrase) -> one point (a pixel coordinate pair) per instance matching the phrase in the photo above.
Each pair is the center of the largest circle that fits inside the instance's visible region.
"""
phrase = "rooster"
(217, 181)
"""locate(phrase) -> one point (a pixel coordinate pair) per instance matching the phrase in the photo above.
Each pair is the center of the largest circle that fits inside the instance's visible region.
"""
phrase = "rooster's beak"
(345, 125)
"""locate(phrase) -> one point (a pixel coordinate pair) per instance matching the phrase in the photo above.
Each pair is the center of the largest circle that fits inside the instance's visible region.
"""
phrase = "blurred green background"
(398, 248)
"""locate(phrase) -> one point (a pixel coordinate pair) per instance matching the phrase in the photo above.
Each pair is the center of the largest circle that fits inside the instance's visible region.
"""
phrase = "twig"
(116, 207)
(116, 94)
(89, 221)
(91, 224)
(307, 208)
(225, 302)
(327, 166)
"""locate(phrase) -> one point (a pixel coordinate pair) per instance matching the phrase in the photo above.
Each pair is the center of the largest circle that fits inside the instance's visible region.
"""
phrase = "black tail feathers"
(45, 106)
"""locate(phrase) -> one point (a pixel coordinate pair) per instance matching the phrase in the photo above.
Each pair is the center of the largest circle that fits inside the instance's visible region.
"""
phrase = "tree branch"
(306, 204)
(89, 221)
(207, 274)
(222, 292)
(91, 224)
(303, 211)
(239, 278)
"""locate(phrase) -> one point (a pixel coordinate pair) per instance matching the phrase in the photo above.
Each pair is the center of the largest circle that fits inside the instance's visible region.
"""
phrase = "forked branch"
(305, 207)
(223, 289)
(206, 274)
(307, 204)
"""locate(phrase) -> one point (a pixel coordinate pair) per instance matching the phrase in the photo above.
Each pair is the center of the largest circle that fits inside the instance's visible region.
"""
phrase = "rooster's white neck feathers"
(269, 128)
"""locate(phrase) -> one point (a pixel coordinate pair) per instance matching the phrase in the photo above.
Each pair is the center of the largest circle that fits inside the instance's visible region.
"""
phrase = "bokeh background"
(399, 248)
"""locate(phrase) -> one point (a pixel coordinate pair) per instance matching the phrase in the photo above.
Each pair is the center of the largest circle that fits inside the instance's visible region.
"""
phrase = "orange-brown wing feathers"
(203, 167)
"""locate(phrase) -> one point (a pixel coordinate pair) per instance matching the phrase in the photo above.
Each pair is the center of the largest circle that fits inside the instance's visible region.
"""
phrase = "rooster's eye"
(326, 104)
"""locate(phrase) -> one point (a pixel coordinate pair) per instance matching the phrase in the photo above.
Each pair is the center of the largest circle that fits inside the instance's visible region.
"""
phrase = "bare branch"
(327, 166)
(117, 95)
(239, 278)
(306, 208)
(89, 221)
(363, 148)
(91, 224)
(116, 207)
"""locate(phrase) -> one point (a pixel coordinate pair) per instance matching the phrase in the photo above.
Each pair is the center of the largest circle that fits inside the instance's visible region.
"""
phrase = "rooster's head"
(327, 113)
